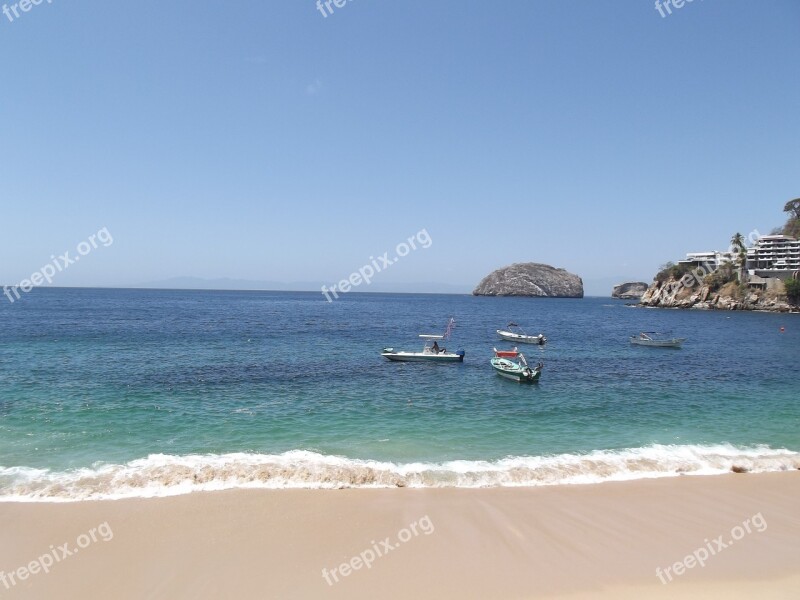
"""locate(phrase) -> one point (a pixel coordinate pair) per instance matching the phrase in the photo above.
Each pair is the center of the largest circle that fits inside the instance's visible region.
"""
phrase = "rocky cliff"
(674, 294)
(629, 290)
(530, 279)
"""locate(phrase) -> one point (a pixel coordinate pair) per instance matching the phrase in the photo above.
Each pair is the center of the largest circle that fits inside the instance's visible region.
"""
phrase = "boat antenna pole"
(449, 330)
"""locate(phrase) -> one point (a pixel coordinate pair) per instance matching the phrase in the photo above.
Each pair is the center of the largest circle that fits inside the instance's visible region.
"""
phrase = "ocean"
(136, 393)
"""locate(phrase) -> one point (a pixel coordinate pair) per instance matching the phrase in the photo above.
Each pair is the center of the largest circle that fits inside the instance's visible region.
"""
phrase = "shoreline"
(714, 309)
(570, 541)
(760, 309)
(164, 476)
(680, 293)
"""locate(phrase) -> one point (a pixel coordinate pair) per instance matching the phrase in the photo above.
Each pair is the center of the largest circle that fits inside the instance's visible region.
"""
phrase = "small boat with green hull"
(511, 364)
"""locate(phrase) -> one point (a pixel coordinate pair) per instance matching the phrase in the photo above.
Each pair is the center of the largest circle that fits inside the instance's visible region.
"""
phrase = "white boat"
(515, 333)
(431, 351)
(511, 364)
(643, 339)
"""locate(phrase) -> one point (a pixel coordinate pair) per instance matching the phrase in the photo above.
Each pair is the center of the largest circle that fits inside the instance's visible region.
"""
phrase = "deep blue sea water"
(110, 393)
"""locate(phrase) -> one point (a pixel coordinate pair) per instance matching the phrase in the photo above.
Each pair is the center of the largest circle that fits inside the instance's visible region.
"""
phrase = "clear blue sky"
(263, 141)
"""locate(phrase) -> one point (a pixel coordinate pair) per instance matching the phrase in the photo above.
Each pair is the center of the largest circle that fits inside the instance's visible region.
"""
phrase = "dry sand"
(592, 541)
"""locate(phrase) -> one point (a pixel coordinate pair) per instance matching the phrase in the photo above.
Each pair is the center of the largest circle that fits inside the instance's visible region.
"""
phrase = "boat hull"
(442, 357)
(674, 343)
(515, 372)
(522, 339)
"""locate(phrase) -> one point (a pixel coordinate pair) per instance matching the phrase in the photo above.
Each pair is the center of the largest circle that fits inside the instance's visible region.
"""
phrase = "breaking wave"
(167, 475)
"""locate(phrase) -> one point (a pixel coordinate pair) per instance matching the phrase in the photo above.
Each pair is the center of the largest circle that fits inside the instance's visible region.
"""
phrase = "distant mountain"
(224, 283)
(227, 283)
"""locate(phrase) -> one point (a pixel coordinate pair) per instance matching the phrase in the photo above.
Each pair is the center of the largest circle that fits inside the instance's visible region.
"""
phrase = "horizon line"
(167, 289)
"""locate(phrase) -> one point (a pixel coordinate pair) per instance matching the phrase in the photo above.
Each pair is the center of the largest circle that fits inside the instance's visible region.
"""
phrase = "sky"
(263, 141)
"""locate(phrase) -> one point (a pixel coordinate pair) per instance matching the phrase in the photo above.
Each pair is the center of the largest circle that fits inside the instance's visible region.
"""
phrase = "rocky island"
(530, 279)
(629, 291)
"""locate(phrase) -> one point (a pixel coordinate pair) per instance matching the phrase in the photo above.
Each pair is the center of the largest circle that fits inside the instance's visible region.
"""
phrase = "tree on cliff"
(792, 226)
(793, 208)
(737, 246)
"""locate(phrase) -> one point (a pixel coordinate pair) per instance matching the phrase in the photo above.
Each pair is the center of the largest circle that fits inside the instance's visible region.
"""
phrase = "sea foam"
(167, 475)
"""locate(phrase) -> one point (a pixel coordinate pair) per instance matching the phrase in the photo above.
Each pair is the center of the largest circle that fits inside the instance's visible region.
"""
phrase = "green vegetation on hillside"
(725, 274)
(792, 227)
(670, 269)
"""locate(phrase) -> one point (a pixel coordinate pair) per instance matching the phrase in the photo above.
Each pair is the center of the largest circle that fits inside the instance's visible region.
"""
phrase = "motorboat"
(431, 351)
(515, 333)
(646, 339)
(511, 364)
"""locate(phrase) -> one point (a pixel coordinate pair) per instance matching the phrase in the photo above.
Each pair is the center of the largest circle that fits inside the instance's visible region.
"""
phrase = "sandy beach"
(591, 541)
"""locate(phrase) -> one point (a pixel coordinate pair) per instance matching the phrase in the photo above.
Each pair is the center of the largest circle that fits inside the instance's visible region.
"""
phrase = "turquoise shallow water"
(137, 392)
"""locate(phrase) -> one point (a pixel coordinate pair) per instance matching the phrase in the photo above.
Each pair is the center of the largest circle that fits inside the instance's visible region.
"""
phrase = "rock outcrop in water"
(628, 291)
(674, 293)
(530, 279)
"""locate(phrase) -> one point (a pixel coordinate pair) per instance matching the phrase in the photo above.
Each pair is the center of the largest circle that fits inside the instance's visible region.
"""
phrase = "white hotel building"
(774, 256)
(712, 260)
